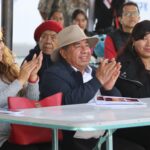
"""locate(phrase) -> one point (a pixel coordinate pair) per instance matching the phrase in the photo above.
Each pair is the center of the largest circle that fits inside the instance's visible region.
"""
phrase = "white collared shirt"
(87, 75)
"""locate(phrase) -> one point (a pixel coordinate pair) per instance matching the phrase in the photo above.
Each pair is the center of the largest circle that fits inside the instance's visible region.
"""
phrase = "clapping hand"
(38, 61)
(29, 70)
(108, 72)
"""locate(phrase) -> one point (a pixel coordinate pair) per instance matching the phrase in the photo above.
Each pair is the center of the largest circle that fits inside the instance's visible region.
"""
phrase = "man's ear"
(62, 53)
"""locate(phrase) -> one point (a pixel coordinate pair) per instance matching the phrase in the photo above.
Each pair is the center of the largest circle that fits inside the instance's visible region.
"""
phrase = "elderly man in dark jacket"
(78, 82)
(45, 36)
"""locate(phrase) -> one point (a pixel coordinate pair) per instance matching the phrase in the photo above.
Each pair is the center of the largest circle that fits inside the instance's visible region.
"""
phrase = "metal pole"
(91, 15)
(55, 139)
(7, 21)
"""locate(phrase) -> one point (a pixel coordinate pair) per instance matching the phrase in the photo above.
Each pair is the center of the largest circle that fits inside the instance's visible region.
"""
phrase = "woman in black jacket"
(134, 80)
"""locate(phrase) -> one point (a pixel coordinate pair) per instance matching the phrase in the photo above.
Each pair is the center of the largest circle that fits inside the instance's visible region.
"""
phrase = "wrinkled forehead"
(85, 41)
(49, 32)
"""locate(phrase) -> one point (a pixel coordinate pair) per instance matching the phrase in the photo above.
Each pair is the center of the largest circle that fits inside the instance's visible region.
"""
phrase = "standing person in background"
(105, 14)
(45, 37)
(17, 82)
(134, 80)
(116, 40)
(57, 15)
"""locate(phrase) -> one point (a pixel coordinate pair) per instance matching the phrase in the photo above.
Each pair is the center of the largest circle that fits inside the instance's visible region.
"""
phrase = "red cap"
(47, 25)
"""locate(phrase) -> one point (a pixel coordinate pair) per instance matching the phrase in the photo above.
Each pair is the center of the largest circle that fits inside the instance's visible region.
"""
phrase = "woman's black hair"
(140, 30)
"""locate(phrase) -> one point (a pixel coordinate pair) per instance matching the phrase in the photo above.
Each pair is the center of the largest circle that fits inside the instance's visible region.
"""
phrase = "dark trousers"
(140, 135)
(70, 143)
(118, 144)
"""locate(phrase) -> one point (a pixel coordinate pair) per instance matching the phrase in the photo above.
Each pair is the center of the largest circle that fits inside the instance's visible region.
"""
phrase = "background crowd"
(82, 64)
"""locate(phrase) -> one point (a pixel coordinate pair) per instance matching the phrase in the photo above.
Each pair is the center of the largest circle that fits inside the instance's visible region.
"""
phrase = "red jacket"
(109, 48)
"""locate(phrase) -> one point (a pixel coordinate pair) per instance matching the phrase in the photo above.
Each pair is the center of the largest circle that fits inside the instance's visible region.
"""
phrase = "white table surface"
(83, 117)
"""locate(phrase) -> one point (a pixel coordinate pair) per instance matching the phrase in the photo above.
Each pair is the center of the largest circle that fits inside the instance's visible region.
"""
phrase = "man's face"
(130, 16)
(48, 42)
(77, 54)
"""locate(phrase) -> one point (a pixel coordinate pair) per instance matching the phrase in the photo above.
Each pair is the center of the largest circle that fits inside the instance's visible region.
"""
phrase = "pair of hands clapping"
(29, 70)
(108, 72)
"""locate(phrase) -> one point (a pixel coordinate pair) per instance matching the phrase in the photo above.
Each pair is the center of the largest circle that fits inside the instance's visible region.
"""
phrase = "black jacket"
(46, 63)
(103, 15)
(134, 80)
(61, 77)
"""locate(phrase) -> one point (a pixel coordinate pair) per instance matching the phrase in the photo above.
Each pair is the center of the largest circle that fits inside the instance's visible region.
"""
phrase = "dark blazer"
(61, 77)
